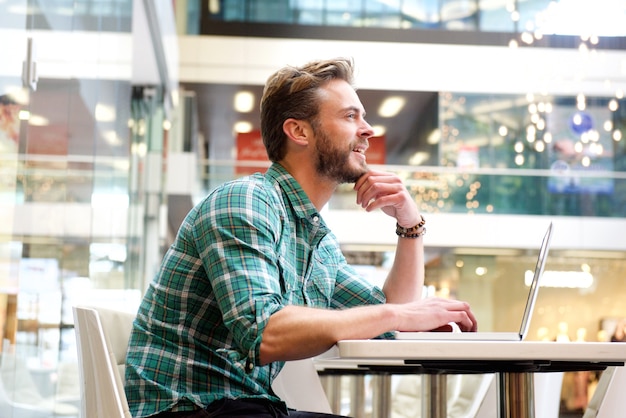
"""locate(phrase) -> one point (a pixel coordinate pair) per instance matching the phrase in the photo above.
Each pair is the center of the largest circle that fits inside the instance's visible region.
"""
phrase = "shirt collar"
(298, 200)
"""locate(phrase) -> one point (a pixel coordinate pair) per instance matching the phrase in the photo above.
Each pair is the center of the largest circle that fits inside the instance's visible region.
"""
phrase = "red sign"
(250, 149)
(377, 151)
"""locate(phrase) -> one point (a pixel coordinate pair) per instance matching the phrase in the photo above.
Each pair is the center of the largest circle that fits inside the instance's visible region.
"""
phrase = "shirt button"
(316, 219)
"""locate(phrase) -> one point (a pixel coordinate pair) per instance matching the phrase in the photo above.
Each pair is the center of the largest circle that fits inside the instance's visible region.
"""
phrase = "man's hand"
(435, 314)
(386, 191)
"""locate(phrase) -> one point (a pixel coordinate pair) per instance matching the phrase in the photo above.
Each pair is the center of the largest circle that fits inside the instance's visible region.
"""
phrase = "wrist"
(391, 316)
(413, 232)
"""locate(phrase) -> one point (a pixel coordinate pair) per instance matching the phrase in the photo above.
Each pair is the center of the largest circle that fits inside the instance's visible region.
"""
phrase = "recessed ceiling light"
(242, 127)
(379, 130)
(244, 101)
(419, 158)
(105, 113)
(214, 6)
(391, 106)
(112, 138)
(37, 120)
(23, 115)
(434, 137)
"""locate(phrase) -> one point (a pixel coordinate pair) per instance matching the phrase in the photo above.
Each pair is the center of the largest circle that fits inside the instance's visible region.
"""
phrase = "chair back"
(102, 339)
(607, 400)
(470, 395)
(299, 386)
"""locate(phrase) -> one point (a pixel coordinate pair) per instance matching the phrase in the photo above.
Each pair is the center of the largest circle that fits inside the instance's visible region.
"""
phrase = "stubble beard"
(334, 162)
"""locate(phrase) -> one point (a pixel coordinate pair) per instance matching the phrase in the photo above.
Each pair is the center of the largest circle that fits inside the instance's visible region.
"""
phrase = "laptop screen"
(534, 285)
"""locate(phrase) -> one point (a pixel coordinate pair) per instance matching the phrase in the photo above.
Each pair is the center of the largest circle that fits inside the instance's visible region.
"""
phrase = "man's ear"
(297, 130)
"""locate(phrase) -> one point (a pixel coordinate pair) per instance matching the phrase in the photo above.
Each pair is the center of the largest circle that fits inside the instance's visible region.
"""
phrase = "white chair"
(470, 396)
(548, 388)
(299, 385)
(100, 358)
(102, 340)
(608, 399)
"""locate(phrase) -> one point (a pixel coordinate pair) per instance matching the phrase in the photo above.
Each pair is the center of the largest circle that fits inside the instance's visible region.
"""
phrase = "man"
(255, 278)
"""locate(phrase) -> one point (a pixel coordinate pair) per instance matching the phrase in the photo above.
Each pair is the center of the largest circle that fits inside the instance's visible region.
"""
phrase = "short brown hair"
(291, 92)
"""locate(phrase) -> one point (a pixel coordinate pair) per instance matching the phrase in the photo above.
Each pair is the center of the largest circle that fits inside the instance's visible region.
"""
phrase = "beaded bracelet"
(412, 232)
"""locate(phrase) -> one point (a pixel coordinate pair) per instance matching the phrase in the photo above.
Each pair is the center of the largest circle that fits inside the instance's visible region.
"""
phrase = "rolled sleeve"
(239, 235)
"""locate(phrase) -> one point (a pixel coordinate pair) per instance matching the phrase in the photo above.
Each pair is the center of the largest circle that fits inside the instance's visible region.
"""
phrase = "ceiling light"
(379, 130)
(391, 106)
(527, 38)
(244, 101)
(23, 115)
(105, 113)
(434, 137)
(242, 127)
(565, 279)
(481, 271)
(214, 6)
(541, 124)
(37, 120)
(139, 148)
(586, 161)
(419, 158)
(540, 146)
(578, 147)
(112, 138)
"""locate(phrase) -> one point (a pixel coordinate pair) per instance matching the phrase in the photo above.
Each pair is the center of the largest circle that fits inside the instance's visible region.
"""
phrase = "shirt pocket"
(320, 284)
(290, 284)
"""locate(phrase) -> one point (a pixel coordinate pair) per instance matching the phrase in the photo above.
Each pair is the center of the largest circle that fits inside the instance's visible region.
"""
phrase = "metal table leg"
(434, 396)
(332, 387)
(381, 396)
(516, 398)
(357, 396)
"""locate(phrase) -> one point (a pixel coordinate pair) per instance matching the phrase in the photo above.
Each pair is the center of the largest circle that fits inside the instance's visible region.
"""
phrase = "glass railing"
(532, 17)
(436, 189)
(508, 191)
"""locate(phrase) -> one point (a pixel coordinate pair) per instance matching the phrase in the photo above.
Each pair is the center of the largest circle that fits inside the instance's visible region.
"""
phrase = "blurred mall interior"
(116, 116)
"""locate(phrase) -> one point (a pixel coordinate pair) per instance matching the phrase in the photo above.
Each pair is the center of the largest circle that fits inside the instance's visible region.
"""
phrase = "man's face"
(341, 134)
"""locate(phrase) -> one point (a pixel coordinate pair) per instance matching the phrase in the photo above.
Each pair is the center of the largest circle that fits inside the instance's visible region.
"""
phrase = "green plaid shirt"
(251, 247)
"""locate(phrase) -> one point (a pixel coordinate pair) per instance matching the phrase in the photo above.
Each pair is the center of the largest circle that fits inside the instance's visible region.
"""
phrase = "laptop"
(495, 335)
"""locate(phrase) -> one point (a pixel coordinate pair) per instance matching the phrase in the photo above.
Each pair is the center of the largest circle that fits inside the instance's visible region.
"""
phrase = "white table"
(513, 362)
